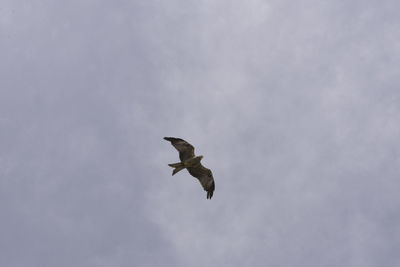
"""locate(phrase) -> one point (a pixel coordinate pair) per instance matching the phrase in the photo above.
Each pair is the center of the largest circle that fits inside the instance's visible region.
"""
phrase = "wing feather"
(186, 150)
(205, 177)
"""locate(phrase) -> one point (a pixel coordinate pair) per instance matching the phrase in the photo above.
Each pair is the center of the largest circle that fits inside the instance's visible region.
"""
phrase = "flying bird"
(192, 164)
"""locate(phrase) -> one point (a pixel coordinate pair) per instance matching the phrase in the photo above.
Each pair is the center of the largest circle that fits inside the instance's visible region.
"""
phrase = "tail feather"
(174, 165)
(177, 167)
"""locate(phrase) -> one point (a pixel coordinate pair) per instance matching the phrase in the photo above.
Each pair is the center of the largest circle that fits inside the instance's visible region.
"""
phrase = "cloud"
(293, 105)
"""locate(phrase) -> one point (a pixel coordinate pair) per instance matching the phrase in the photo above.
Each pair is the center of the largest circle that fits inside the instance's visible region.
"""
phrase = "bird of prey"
(192, 164)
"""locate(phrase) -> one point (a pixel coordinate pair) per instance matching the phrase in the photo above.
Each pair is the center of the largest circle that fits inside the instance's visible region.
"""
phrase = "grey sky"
(295, 106)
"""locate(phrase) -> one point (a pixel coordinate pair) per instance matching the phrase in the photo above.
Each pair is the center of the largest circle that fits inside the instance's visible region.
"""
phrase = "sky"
(295, 106)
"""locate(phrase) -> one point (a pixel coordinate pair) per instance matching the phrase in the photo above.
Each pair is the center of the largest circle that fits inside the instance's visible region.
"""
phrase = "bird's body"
(193, 164)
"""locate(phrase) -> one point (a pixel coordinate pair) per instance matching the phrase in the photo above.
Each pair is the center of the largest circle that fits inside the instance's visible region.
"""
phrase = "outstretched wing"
(186, 150)
(205, 177)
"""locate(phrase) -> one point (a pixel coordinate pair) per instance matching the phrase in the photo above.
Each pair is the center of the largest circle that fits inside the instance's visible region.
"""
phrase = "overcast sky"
(295, 106)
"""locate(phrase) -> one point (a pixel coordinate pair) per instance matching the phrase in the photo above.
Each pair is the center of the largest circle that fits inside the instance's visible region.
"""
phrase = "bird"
(192, 164)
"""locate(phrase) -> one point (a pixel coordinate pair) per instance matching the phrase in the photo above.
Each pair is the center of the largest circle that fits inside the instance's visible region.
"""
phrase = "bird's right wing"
(186, 150)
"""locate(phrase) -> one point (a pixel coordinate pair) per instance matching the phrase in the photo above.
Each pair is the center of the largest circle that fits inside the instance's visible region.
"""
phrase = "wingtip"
(174, 139)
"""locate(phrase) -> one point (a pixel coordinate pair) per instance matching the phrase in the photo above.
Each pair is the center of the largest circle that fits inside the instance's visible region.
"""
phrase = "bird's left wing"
(205, 177)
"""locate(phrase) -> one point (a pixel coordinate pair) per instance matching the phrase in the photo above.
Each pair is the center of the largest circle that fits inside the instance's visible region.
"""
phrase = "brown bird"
(192, 164)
